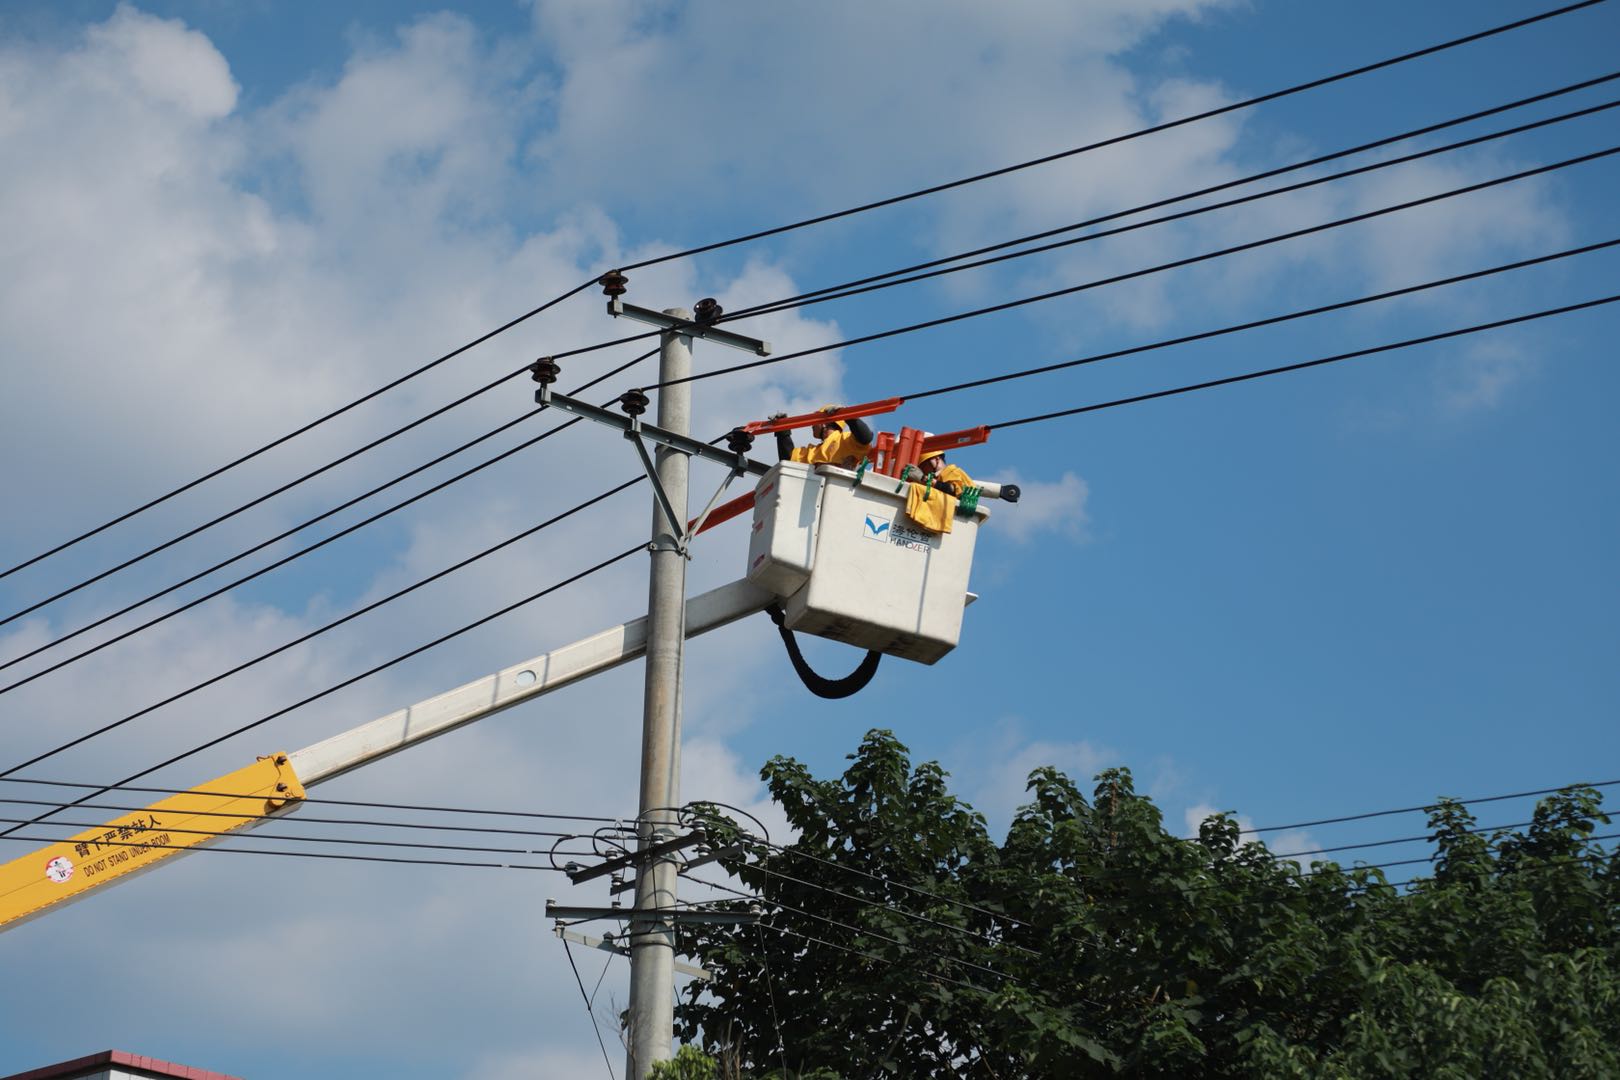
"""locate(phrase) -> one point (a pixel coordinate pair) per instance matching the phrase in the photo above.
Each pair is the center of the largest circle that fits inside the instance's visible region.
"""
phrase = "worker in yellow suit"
(844, 443)
(935, 486)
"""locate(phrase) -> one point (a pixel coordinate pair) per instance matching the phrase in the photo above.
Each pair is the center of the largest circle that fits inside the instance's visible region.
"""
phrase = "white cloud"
(993, 773)
(1046, 506)
(1477, 378)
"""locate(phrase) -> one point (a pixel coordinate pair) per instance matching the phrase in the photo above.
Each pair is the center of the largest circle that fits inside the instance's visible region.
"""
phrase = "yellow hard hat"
(837, 423)
(926, 454)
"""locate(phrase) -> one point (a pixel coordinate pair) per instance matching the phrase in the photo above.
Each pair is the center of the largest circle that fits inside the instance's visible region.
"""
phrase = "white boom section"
(514, 685)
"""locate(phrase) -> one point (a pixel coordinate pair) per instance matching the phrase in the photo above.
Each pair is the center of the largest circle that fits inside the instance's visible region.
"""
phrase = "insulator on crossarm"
(707, 310)
(739, 441)
(545, 370)
(633, 402)
(613, 283)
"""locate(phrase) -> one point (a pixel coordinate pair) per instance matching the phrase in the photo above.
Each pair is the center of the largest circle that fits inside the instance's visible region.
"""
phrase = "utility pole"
(652, 944)
(652, 933)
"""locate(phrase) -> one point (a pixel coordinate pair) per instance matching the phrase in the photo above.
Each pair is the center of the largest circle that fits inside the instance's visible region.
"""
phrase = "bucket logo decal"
(875, 529)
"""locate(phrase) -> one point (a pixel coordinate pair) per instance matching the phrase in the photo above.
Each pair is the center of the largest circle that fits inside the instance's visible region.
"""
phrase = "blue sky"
(1339, 590)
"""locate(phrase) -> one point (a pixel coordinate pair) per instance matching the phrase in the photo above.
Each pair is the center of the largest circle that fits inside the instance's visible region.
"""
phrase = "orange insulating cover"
(851, 412)
(725, 512)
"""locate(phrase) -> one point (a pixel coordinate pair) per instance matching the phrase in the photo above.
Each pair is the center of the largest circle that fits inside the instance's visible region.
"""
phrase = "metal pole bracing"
(652, 942)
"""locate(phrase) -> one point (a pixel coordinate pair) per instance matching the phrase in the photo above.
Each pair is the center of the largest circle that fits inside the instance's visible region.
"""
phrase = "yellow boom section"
(68, 870)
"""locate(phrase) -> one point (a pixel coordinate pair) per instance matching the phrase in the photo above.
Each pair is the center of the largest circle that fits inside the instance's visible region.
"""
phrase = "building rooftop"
(118, 1065)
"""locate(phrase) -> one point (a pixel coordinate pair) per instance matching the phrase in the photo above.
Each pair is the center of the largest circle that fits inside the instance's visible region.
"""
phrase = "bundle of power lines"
(60, 653)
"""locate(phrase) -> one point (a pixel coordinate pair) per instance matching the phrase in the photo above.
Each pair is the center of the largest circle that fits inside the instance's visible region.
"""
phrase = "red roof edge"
(121, 1058)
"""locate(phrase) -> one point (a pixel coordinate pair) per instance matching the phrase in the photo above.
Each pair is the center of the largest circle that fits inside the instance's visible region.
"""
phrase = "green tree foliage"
(903, 941)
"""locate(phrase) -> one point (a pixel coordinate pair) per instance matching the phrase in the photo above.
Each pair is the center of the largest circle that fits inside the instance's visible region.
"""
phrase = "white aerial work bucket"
(851, 566)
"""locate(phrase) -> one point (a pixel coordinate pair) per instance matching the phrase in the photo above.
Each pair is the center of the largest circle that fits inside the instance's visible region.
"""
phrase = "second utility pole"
(652, 941)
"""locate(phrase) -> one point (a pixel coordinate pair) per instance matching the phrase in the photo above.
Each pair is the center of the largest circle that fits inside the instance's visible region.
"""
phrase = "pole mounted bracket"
(734, 457)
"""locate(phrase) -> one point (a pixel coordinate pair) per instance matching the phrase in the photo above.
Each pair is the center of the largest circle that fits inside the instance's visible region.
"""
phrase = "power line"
(993, 914)
(891, 279)
(859, 930)
(301, 430)
(914, 916)
(311, 800)
(307, 819)
(7, 835)
(1295, 855)
(1302, 365)
(307, 549)
(569, 952)
(821, 219)
(126, 609)
(310, 635)
(329, 690)
(1127, 137)
(231, 834)
(905, 275)
(288, 486)
(1429, 806)
(892, 883)
(1143, 272)
(1204, 335)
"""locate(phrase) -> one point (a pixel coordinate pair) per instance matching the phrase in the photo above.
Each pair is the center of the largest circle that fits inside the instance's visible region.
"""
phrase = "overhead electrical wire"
(8, 835)
(912, 396)
(1295, 367)
(1156, 204)
(863, 931)
(1429, 806)
(827, 217)
(312, 634)
(905, 275)
(311, 425)
(1294, 856)
(1136, 896)
(1302, 365)
(312, 800)
(894, 883)
(569, 952)
(889, 333)
(1224, 204)
(1144, 272)
(236, 834)
(1204, 335)
(284, 534)
(289, 485)
(401, 658)
(307, 549)
(310, 819)
(1116, 949)
(833, 293)
(1116, 140)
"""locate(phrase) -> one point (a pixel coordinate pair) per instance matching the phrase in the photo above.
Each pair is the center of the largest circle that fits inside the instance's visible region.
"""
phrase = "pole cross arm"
(617, 307)
(635, 858)
(640, 434)
(632, 427)
(555, 910)
(607, 945)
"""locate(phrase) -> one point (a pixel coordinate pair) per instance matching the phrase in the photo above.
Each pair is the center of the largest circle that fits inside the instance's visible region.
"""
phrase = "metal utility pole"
(651, 934)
